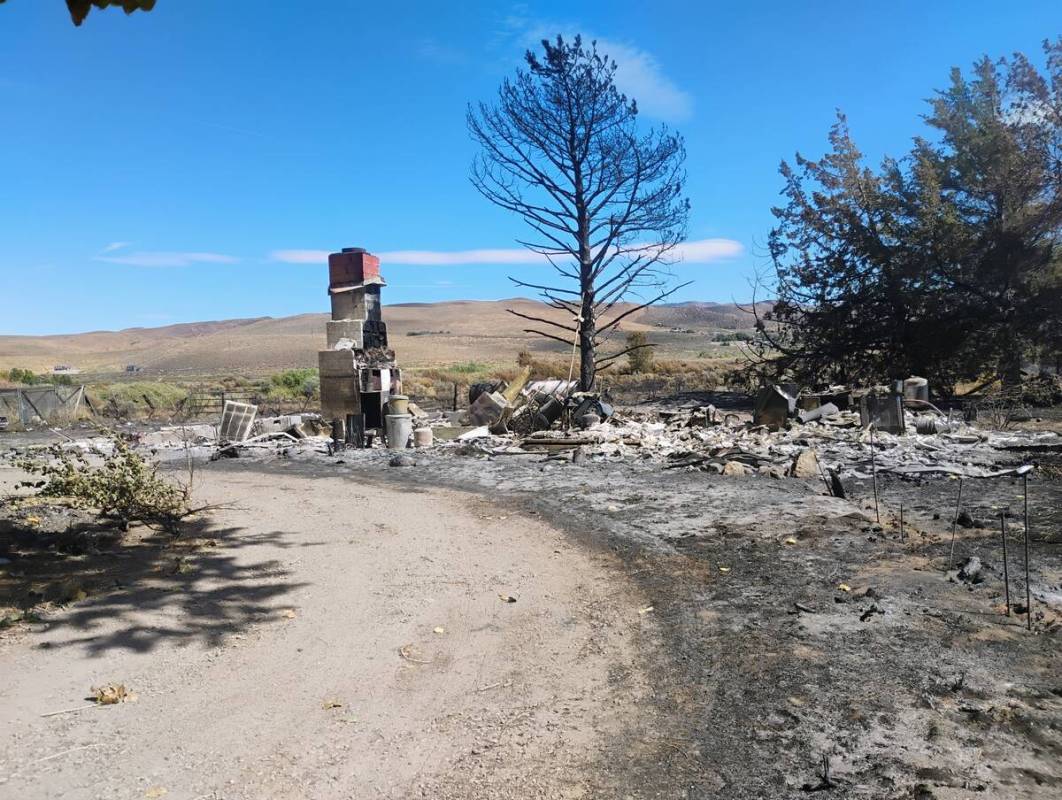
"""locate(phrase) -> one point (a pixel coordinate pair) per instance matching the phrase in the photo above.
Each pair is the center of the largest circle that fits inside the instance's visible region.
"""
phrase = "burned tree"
(562, 149)
(946, 263)
(79, 9)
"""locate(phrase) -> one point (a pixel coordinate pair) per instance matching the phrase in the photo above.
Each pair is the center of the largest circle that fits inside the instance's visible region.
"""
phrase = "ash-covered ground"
(803, 644)
(806, 647)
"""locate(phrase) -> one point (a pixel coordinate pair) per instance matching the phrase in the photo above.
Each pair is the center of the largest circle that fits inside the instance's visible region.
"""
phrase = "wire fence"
(24, 406)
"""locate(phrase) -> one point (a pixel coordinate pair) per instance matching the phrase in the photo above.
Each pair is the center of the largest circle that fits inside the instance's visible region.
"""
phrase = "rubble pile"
(831, 436)
(691, 438)
(786, 435)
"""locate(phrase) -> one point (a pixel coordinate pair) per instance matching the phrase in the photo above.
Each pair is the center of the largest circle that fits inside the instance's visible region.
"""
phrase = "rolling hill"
(422, 334)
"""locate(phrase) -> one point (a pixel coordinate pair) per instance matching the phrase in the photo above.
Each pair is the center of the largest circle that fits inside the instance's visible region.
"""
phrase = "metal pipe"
(874, 470)
(1028, 591)
(1006, 572)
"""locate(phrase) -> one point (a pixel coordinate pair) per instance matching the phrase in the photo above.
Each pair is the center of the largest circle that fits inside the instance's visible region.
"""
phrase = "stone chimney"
(358, 372)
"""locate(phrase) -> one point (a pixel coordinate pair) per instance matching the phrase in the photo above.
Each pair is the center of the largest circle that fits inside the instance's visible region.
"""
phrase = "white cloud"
(300, 256)
(701, 251)
(114, 246)
(707, 251)
(638, 75)
(142, 258)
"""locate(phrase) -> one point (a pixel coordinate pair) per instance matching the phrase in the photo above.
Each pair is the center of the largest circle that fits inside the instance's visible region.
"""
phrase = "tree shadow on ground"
(136, 591)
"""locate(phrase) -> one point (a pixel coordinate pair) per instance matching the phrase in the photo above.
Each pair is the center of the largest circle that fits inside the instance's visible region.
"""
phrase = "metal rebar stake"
(874, 471)
(954, 525)
(1028, 592)
(1006, 572)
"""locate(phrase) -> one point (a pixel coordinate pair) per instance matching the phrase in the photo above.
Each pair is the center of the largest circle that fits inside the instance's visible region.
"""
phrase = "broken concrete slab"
(488, 408)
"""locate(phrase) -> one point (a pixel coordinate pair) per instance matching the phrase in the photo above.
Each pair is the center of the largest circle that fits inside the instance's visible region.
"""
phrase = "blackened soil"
(805, 649)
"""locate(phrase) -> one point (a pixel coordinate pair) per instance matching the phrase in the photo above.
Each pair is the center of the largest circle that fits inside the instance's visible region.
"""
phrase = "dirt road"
(337, 641)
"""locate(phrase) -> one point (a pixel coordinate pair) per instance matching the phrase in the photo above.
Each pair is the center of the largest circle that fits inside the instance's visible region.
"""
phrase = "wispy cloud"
(114, 246)
(639, 73)
(708, 251)
(158, 258)
(300, 256)
(701, 251)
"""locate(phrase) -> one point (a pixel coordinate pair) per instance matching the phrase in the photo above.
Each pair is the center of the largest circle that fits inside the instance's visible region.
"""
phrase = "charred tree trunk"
(587, 345)
(1010, 362)
(587, 321)
(603, 199)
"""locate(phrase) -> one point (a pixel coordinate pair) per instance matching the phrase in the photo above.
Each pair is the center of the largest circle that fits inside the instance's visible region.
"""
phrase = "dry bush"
(668, 377)
(547, 368)
(126, 400)
(1001, 408)
(123, 487)
(437, 383)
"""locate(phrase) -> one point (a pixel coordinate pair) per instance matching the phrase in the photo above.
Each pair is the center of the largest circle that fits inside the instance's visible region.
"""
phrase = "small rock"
(403, 461)
(970, 571)
(805, 465)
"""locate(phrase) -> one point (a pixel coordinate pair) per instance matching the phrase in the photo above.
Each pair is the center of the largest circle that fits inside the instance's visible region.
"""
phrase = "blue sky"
(190, 163)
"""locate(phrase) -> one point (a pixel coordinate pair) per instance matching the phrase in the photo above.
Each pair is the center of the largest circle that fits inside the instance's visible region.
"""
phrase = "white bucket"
(399, 431)
(423, 437)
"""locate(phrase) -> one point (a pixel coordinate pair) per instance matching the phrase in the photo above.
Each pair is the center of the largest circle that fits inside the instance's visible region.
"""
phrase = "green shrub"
(641, 358)
(24, 376)
(295, 384)
(123, 487)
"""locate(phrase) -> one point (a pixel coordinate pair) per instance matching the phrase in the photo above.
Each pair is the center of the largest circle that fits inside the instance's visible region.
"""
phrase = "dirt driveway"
(339, 641)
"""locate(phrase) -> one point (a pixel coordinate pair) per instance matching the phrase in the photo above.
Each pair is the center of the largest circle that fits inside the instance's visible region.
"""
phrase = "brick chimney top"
(353, 267)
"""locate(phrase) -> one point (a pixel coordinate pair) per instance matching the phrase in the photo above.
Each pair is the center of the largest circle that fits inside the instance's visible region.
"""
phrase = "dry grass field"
(422, 334)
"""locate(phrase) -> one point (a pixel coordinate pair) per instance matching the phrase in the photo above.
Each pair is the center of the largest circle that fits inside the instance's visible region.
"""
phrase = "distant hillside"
(701, 316)
(423, 334)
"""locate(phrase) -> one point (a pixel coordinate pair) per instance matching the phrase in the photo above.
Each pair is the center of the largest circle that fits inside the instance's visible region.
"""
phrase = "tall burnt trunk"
(587, 348)
(588, 321)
